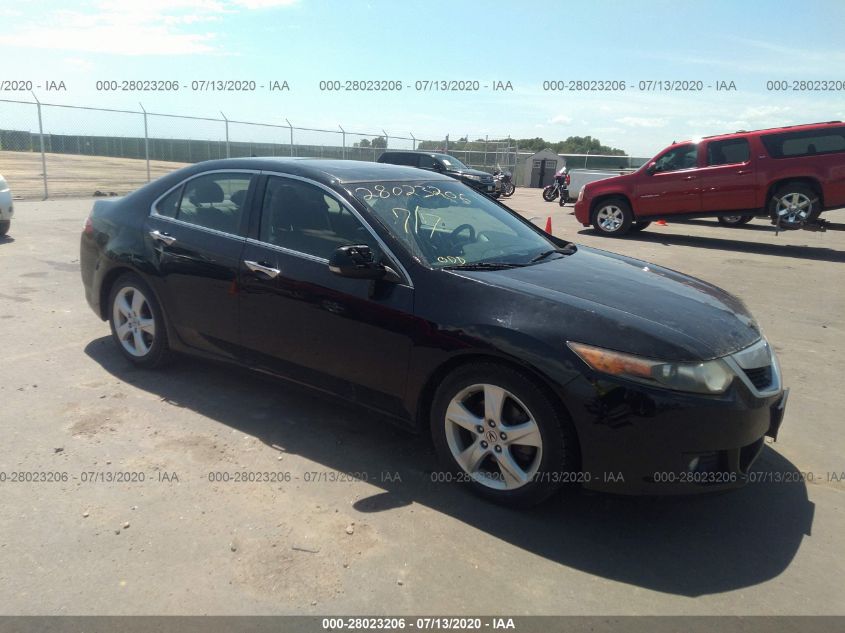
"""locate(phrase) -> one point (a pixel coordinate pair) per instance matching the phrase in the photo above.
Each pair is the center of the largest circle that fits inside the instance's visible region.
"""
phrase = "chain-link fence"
(58, 150)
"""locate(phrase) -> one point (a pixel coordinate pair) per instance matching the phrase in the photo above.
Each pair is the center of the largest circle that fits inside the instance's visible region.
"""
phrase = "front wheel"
(549, 193)
(613, 217)
(498, 433)
(4, 227)
(734, 220)
(137, 323)
(507, 189)
(793, 205)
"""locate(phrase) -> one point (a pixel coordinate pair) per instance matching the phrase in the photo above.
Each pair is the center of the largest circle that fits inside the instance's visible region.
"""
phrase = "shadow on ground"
(688, 546)
(717, 243)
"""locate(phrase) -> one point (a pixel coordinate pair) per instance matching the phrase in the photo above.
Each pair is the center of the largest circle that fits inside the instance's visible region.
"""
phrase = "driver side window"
(681, 157)
(305, 218)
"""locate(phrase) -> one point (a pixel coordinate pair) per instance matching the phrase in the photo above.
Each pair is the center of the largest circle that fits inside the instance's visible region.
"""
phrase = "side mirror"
(439, 167)
(652, 168)
(357, 262)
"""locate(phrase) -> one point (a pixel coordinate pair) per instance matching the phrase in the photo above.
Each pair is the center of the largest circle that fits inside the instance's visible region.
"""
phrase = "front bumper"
(7, 208)
(487, 188)
(642, 440)
(582, 212)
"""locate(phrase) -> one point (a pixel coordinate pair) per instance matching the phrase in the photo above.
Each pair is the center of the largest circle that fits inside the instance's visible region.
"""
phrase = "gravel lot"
(176, 543)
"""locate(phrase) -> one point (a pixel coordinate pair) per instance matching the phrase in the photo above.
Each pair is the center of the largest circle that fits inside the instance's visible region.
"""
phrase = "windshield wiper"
(562, 251)
(483, 266)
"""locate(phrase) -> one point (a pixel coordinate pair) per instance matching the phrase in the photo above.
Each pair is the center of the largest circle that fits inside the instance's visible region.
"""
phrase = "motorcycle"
(560, 187)
(504, 183)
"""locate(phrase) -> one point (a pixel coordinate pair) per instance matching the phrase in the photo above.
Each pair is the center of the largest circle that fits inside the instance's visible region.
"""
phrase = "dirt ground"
(351, 521)
(71, 175)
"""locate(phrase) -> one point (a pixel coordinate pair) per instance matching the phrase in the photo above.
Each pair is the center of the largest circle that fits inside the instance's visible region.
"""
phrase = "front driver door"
(346, 336)
(671, 188)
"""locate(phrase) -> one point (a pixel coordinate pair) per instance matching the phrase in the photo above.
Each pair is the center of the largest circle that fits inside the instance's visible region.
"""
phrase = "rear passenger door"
(195, 235)
(727, 180)
(346, 336)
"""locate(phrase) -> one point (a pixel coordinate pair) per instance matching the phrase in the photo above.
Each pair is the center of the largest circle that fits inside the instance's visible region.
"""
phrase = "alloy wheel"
(134, 322)
(493, 437)
(793, 208)
(610, 218)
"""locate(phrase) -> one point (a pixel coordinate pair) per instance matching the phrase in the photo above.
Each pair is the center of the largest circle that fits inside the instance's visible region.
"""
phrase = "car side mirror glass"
(652, 168)
(358, 262)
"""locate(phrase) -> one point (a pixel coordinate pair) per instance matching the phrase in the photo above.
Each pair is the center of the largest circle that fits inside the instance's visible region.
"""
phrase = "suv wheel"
(734, 220)
(4, 227)
(613, 217)
(137, 323)
(793, 205)
(497, 432)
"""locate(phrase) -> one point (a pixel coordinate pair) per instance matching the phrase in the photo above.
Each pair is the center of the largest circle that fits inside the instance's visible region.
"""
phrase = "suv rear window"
(809, 143)
(728, 152)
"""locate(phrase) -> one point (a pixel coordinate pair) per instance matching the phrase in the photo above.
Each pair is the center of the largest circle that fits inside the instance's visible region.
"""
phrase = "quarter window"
(729, 152)
(809, 143)
(681, 157)
(303, 218)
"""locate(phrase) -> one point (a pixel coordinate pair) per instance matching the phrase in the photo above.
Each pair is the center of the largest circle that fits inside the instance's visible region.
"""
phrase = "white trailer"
(580, 177)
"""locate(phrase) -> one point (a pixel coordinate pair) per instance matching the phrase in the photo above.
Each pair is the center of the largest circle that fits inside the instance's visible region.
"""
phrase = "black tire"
(507, 189)
(788, 192)
(734, 220)
(158, 353)
(636, 227)
(558, 449)
(4, 227)
(549, 193)
(613, 217)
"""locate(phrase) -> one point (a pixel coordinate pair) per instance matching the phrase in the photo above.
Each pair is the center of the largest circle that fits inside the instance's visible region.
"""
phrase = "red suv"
(790, 174)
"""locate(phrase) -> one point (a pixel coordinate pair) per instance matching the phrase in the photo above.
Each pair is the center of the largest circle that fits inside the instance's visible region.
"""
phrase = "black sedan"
(531, 361)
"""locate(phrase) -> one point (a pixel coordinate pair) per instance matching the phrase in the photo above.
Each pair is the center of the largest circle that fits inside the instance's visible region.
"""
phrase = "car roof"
(772, 130)
(326, 171)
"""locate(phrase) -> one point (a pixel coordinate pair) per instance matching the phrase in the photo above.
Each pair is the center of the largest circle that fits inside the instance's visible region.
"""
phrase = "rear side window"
(728, 152)
(214, 201)
(397, 158)
(809, 143)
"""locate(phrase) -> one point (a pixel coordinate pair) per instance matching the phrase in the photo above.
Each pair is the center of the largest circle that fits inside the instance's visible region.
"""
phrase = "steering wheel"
(460, 228)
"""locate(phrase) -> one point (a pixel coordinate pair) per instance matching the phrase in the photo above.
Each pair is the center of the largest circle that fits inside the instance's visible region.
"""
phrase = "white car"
(7, 209)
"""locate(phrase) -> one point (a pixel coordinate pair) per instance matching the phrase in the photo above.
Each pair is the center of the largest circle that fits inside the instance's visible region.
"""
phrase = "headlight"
(712, 376)
(472, 177)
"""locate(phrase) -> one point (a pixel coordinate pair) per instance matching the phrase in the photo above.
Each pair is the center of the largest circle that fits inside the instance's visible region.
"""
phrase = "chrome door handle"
(162, 237)
(259, 268)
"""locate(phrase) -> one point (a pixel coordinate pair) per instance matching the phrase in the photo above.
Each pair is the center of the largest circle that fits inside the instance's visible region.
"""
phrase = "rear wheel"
(496, 431)
(507, 189)
(137, 322)
(4, 227)
(793, 205)
(549, 193)
(613, 217)
(734, 220)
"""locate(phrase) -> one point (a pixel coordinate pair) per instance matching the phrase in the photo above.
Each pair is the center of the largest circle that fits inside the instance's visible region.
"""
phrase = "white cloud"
(122, 27)
(561, 118)
(636, 121)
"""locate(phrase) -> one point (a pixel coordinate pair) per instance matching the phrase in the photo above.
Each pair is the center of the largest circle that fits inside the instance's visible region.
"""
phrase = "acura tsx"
(532, 362)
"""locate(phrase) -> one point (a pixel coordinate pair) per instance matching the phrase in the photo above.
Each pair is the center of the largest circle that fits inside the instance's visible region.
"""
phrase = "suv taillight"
(567, 179)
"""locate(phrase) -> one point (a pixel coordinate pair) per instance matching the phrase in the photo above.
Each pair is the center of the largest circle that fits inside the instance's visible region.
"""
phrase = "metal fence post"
(414, 139)
(290, 127)
(343, 132)
(386, 137)
(146, 141)
(41, 136)
(227, 132)
(447, 143)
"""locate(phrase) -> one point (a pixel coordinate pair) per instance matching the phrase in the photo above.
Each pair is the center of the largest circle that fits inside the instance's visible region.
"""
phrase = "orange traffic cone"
(549, 225)
(661, 222)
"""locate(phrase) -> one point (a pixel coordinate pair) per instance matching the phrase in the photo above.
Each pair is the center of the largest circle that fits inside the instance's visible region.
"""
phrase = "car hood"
(472, 172)
(620, 303)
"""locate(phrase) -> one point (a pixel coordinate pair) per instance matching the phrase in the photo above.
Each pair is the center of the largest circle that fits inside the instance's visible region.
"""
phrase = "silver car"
(7, 209)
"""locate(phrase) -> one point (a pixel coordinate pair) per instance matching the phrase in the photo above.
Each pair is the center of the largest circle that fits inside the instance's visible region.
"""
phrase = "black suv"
(444, 164)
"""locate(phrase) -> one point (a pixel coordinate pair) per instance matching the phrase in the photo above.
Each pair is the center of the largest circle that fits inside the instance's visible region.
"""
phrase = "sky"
(304, 42)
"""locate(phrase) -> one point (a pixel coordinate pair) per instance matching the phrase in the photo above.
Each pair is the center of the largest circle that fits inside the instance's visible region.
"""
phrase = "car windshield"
(446, 223)
(451, 162)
